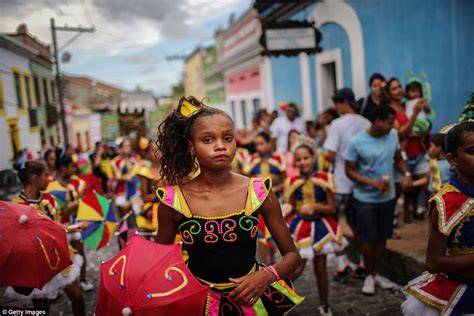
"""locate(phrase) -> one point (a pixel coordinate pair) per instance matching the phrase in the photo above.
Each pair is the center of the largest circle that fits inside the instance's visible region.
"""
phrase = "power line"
(84, 6)
(57, 11)
(117, 37)
(72, 39)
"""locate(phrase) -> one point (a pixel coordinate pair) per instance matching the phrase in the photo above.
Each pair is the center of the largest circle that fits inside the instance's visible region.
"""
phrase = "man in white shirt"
(284, 124)
(340, 131)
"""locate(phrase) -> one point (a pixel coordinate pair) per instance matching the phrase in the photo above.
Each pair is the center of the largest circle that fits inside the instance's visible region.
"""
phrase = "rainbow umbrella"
(59, 192)
(96, 209)
(84, 166)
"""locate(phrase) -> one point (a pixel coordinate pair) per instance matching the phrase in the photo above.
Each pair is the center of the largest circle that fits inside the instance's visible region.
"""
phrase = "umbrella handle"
(168, 277)
(122, 274)
(58, 259)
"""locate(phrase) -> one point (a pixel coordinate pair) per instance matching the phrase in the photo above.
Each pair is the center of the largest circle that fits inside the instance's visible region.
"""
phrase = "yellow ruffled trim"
(179, 203)
(253, 202)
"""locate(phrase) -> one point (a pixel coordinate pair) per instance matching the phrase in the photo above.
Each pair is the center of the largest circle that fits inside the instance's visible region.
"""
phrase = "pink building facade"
(247, 74)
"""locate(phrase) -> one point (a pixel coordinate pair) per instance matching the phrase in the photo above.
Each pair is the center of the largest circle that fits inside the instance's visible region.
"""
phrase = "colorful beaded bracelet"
(273, 271)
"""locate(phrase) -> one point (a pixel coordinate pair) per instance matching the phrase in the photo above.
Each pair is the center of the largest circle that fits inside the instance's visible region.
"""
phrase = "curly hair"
(174, 134)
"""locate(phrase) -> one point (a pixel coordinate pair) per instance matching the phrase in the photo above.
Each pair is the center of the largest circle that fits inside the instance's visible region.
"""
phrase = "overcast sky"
(132, 37)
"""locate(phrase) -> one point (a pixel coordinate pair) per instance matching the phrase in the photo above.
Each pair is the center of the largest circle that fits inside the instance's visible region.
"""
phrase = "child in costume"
(216, 214)
(266, 163)
(126, 191)
(293, 141)
(65, 192)
(241, 160)
(34, 178)
(315, 231)
(448, 286)
(50, 161)
(148, 176)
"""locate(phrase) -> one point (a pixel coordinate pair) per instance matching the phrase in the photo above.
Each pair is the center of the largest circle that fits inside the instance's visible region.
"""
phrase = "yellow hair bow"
(188, 107)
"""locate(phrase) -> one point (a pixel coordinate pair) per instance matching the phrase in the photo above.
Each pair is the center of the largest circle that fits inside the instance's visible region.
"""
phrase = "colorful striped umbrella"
(59, 192)
(84, 166)
(96, 209)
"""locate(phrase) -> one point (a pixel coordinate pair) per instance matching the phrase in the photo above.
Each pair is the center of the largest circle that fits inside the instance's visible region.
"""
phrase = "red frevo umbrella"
(146, 278)
(35, 247)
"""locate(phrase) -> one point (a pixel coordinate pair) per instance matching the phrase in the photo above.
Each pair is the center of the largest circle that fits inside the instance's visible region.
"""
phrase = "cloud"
(149, 70)
(135, 34)
(170, 17)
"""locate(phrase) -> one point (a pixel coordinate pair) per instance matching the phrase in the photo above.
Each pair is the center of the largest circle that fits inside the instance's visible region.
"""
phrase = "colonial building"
(247, 74)
(18, 121)
(194, 75)
(139, 99)
(214, 79)
(44, 114)
(391, 37)
(93, 106)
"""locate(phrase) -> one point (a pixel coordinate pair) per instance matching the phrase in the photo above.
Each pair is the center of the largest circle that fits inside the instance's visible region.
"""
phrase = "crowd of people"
(283, 186)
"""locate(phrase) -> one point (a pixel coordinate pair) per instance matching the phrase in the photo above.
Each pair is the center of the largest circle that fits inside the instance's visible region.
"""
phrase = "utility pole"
(55, 28)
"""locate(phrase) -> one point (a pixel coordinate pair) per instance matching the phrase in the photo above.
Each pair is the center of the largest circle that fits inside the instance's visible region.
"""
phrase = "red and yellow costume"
(241, 158)
(450, 293)
(318, 234)
(273, 167)
(124, 191)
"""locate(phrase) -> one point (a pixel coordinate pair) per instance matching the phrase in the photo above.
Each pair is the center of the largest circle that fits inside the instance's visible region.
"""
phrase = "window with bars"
(45, 91)
(19, 97)
(2, 101)
(36, 85)
(32, 112)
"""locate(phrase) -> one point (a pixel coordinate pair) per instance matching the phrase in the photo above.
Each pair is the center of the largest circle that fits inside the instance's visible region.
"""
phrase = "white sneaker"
(86, 286)
(325, 310)
(369, 285)
(384, 283)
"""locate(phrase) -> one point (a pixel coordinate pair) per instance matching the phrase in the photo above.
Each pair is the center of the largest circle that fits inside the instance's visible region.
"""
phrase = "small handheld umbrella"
(93, 183)
(96, 209)
(59, 192)
(146, 278)
(33, 248)
(83, 166)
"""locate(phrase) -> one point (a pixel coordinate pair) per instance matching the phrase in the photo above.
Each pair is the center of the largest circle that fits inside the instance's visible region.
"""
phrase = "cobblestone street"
(345, 299)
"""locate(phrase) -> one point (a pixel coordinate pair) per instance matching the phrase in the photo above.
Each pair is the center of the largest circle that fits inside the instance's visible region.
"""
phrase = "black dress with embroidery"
(223, 247)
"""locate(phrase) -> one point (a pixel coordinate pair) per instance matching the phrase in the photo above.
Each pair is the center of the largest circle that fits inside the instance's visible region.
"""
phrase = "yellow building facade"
(194, 75)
